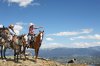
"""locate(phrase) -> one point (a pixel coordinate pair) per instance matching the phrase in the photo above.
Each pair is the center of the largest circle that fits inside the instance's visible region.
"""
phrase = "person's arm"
(38, 27)
(12, 32)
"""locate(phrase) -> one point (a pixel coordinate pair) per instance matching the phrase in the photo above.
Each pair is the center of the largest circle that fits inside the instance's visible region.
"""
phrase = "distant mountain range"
(58, 52)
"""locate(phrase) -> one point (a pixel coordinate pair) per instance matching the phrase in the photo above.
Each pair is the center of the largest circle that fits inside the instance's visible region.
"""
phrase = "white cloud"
(49, 39)
(87, 30)
(52, 45)
(1, 25)
(85, 44)
(94, 37)
(17, 28)
(83, 31)
(65, 33)
(71, 45)
(22, 3)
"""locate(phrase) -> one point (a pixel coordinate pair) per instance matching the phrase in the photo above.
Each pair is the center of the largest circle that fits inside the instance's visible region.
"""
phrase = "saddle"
(31, 37)
(31, 40)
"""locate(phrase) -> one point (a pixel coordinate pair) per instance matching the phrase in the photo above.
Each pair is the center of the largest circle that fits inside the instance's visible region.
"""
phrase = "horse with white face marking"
(36, 43)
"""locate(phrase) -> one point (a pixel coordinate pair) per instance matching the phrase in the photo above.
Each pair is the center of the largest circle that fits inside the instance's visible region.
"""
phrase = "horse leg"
(17, 56)
(24, 52)
(36, 54)
(1, 52)
(4, 53)
(20, 52)
(14, 55)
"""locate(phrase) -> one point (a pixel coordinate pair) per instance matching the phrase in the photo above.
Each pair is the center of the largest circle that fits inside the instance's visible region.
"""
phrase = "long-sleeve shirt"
(11, 31)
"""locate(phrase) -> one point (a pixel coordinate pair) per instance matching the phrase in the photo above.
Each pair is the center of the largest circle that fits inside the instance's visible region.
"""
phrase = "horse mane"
(4, 28)
(37, 36)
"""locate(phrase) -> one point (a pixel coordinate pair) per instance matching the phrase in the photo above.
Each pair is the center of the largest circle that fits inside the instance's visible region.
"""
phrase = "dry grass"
(30, 62)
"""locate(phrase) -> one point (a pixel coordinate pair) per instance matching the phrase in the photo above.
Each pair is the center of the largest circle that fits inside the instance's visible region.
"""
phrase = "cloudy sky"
(67, 23)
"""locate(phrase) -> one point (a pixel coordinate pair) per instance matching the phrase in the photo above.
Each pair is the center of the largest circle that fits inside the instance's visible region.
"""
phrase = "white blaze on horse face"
(41, 36)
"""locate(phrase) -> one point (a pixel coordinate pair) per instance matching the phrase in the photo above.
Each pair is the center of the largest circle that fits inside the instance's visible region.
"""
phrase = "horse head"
(5, 34)
(41, 33)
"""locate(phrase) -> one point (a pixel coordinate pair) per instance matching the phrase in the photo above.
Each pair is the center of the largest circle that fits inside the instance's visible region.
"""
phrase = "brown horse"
(36, 43)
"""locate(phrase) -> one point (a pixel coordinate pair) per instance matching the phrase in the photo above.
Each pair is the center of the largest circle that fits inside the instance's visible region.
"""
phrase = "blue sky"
(67, 23)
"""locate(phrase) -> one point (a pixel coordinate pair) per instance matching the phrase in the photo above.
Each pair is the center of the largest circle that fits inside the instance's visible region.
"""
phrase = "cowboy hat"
(11, 25)
(31, 24)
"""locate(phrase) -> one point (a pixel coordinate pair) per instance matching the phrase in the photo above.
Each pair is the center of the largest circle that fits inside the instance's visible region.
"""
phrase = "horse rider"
(11, 32)
(31, 33)
(11, 29)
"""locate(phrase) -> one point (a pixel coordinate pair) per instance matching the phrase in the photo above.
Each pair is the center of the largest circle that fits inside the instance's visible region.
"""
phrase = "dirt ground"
(30, 62)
